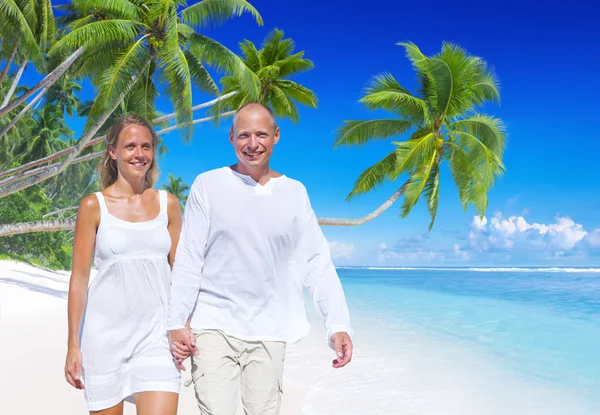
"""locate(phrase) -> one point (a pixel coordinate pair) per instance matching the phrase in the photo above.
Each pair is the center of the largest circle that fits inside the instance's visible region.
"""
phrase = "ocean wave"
(478, 269)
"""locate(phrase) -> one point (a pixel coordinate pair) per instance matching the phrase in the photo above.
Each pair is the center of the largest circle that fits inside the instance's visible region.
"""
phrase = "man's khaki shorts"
(227, 369)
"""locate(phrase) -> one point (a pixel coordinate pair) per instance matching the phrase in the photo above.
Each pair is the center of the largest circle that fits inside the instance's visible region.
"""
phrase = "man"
(250, 244)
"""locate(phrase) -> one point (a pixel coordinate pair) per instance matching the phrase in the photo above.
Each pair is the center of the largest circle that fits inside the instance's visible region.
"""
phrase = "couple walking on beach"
(224, 286)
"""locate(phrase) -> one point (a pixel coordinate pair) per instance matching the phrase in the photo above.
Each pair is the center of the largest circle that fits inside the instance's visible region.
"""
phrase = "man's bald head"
(248, 108)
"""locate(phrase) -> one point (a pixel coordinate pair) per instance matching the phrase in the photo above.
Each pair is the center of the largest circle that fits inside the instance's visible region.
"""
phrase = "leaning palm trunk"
(197, 107)
(49, 80)
(60, 167)
(33, 172)
(69, 224)
(47, 159)
(37, 226)
(355, 222)
(29, 173)
(24, 111)
(14, 84)
(193, 122)
(97, 140)
(8, 63)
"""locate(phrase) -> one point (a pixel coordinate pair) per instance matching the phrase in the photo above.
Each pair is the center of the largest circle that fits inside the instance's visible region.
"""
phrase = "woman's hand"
(73, 367)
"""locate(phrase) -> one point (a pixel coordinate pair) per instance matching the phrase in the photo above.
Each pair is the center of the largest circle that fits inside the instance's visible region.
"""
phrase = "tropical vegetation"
(129, 51)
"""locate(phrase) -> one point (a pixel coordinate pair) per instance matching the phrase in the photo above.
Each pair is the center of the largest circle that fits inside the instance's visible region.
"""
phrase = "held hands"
(73, 367)
(182, 344)
(343, 349)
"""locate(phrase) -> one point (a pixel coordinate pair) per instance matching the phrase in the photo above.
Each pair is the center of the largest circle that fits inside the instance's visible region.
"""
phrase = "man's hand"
(343, 349)
(182, 344)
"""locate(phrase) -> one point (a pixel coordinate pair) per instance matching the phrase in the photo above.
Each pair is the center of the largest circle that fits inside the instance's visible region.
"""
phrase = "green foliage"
(51, 249)
(177, 189)
(443, 125)
(271, 65)
(131, 45)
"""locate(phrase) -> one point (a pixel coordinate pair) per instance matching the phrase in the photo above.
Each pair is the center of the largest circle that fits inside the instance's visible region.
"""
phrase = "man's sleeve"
(189, 258)
(321, 279)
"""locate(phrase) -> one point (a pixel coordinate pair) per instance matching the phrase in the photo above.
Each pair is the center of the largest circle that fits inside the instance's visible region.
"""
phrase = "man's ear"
(276, 138)
(231, 136)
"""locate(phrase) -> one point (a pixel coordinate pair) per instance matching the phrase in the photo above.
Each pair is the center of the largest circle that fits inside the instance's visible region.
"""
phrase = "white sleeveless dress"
(123, 337)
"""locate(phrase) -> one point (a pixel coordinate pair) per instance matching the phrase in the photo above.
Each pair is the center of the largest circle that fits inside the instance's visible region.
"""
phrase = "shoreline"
(395, 369)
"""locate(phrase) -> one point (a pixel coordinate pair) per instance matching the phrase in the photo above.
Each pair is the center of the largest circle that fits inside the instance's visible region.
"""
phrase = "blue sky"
(543, 211)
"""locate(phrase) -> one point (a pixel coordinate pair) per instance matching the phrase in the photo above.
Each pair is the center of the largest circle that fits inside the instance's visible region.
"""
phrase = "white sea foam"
(475, 269)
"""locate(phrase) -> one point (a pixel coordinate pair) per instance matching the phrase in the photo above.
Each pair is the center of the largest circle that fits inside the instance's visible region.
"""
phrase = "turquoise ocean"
(539, 325)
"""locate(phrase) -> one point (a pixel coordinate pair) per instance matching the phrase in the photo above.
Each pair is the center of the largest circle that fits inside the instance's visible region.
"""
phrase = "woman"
(117, 342)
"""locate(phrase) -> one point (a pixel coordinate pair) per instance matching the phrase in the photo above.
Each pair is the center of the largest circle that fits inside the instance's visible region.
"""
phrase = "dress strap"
(163, 201)
(102, 203)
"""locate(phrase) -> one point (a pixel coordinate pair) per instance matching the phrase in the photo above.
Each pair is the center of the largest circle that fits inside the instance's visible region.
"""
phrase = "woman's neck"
(129, 187)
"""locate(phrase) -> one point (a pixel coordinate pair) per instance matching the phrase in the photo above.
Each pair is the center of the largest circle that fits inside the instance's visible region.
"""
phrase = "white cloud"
(341, 250)
(464, 255)
(509, 233)
(593, 238)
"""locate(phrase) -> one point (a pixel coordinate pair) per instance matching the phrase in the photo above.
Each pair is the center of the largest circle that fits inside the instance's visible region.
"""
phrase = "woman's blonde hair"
(108, 167)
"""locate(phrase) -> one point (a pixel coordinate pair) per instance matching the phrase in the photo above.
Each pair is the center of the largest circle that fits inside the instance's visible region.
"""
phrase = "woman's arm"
(174, 227)
(88, 219)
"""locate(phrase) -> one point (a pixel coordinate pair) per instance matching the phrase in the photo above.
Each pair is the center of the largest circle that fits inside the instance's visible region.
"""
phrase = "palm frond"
(282, 105)
(357, 132)
(417, 183)
(298, 93)
(465, 70)
(142, 97)
(207, 13)
(432, 193)
(440, 86)
(47, 25)
(487, 86)
(76, 23)
(200, 75)
(104, 34)
(251, 55)
(29, 10)
(118, 78)
(384, 92)
(294, 64)
(467, 178)
(93, 65)
(486, 161)
(17, 28)
(274, 47)
(373, 176)
(413, 52)
(411, 153)
(176, 73)
(489, 130)
(116, 9)
(221, 58)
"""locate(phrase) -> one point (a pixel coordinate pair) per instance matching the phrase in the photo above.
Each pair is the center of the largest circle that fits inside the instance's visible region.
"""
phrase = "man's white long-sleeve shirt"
(245, 255)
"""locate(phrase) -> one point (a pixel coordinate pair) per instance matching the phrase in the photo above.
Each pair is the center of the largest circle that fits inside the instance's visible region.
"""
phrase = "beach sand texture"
(393, 372)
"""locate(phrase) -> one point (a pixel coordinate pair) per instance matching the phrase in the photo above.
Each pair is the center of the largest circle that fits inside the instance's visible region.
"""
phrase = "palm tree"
(125, 45)
(178, 189)
(28, 26)
(48, 134)
(63, 95)
(136, 43)
(272, 64)
(443, 126)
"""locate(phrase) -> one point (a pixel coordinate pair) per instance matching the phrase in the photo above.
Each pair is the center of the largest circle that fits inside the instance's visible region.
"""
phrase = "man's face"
(253, 137)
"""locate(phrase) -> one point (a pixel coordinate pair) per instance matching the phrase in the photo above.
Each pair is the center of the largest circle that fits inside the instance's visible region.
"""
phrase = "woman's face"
(134, 151)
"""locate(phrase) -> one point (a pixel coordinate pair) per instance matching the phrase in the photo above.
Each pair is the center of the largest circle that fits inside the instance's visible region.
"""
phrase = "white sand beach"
(393, 372)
